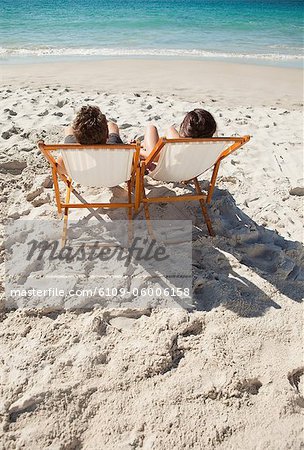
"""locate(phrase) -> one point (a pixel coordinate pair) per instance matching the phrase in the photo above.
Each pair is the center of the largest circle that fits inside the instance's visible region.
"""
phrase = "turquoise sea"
(259, 31)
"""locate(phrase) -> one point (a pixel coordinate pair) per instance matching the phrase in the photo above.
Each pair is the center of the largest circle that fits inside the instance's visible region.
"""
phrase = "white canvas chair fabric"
(185, 161)
(99, 167)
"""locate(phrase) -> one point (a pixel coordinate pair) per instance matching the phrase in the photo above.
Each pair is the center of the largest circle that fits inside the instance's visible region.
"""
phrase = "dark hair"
(198, 124)
(90, 126)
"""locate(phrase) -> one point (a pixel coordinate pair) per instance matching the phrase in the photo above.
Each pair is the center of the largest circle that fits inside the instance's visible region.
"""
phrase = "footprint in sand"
(125, 125)
(251, 386)
(9, 133)
(296, 381)
(10, 112)
(241, 120)
(61, 103)
(262, 257)
(298, 191)
(44, 113)
(12, 166)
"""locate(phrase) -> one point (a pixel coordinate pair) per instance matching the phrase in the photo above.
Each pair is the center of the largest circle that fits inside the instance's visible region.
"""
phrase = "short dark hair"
(198, 124)
(90, 126)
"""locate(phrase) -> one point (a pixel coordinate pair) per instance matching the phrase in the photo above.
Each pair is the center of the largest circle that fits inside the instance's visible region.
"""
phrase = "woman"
(198, 123)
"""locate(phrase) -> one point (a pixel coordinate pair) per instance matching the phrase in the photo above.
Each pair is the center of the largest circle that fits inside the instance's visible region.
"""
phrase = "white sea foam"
(53, 51)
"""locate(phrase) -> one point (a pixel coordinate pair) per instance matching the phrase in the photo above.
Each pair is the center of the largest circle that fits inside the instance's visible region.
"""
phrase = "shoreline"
(286, 61)
(191, 78)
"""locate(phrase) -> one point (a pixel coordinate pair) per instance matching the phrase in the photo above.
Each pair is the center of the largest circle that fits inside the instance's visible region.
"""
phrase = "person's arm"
(68, 131)
(172, 133)
(150, 140)
(144, 153)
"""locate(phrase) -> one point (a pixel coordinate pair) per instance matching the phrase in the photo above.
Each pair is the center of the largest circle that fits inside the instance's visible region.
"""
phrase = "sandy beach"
(229, 373)
(191, 79)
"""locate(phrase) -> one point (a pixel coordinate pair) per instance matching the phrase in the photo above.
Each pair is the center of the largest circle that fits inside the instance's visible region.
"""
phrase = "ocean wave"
(53, 51)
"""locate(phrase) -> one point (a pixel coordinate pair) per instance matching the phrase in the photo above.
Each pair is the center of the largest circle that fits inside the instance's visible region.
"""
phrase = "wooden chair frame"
(132, 184)
(204, 200)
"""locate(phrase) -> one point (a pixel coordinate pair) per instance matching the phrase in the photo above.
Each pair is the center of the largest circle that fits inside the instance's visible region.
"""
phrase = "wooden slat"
(97, 205)
(180, 198)
(54, 147)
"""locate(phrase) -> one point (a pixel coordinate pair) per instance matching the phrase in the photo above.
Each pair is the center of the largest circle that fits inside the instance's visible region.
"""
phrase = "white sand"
(230, 374)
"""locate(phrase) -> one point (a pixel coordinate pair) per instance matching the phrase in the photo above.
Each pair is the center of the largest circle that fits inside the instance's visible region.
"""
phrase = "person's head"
(90, 126)
(198, 124)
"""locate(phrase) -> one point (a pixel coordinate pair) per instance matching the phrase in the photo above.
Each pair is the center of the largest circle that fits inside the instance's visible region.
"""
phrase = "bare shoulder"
(68, 131)
(172, 133)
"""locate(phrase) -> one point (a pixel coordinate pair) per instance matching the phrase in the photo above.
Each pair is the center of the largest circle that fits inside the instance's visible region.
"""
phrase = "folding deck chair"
(95, 166)
(183, 160)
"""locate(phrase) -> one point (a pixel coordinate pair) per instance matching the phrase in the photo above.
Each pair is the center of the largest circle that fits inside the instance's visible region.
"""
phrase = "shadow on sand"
(245, 267)
(267, 261)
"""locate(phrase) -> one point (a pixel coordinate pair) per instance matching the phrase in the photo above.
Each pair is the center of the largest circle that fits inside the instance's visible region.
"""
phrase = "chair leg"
(146, 207)
(66, 213)
(143, 196)
(212, 182)
(207, 220)
(203, 208)
(138, 182)
(64, 231)
(56, 188)
(130, 210)
(133, 180)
